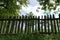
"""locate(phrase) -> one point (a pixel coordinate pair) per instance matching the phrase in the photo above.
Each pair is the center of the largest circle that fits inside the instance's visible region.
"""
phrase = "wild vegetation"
(11, 8)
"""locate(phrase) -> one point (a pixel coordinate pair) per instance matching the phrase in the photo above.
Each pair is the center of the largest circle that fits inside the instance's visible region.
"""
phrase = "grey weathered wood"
(22, 23)
(1, 26)
(33, 24)
(19, 24)
(16, 25)
(7, 28)
(42, 25)
(45, 24)
(28, 21)
(26, 24)
(12, 25)
(38, 24)
(54, 24)
(57, 25)
(48, 23)
(51, 24)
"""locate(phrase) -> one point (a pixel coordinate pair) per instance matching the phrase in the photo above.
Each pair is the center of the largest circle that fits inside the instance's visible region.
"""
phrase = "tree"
(30, 14)
(49, 4)
(10, 7)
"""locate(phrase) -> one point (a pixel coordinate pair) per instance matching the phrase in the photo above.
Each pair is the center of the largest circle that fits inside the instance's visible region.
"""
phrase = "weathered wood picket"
(25, 24)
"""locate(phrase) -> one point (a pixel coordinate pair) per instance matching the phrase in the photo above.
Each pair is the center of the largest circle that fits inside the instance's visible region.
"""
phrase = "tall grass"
(30, 36)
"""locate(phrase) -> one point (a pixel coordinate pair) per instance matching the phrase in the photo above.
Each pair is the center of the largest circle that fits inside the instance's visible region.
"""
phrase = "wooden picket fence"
(26, 24)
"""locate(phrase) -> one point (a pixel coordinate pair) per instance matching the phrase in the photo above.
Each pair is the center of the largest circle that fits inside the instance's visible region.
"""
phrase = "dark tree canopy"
(10, 7)
(50, 4)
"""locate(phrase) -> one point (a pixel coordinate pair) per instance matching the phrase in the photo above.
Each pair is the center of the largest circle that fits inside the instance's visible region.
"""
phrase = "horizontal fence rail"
(26, 24)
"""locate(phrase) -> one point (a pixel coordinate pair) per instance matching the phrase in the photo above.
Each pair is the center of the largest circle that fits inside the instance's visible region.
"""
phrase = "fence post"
(25, 24)
(51, 21)
(1, 25)
(48, 24)
(59, 16)
(12, 25)
(57, 25)
(38, 24)
(28, 24)
(19, 24)
(42, 25)
(58, 22)
(16, 25)
(8, 25)
(33, 24)
(22, 23)
(45, 23)
(54, 24)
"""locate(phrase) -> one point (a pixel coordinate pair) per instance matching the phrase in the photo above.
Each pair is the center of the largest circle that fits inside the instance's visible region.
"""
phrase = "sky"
(32, 7)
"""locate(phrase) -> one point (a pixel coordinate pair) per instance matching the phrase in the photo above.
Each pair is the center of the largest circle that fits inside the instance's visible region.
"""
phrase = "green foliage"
(31, 36)
(11, 8)
(23, 2)
(50, 4)
(30, 14)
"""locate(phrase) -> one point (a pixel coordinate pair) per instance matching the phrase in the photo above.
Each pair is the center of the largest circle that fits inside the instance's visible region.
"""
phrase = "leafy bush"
(31, 36)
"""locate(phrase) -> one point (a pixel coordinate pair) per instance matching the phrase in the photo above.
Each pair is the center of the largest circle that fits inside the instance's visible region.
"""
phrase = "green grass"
(30, 36)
